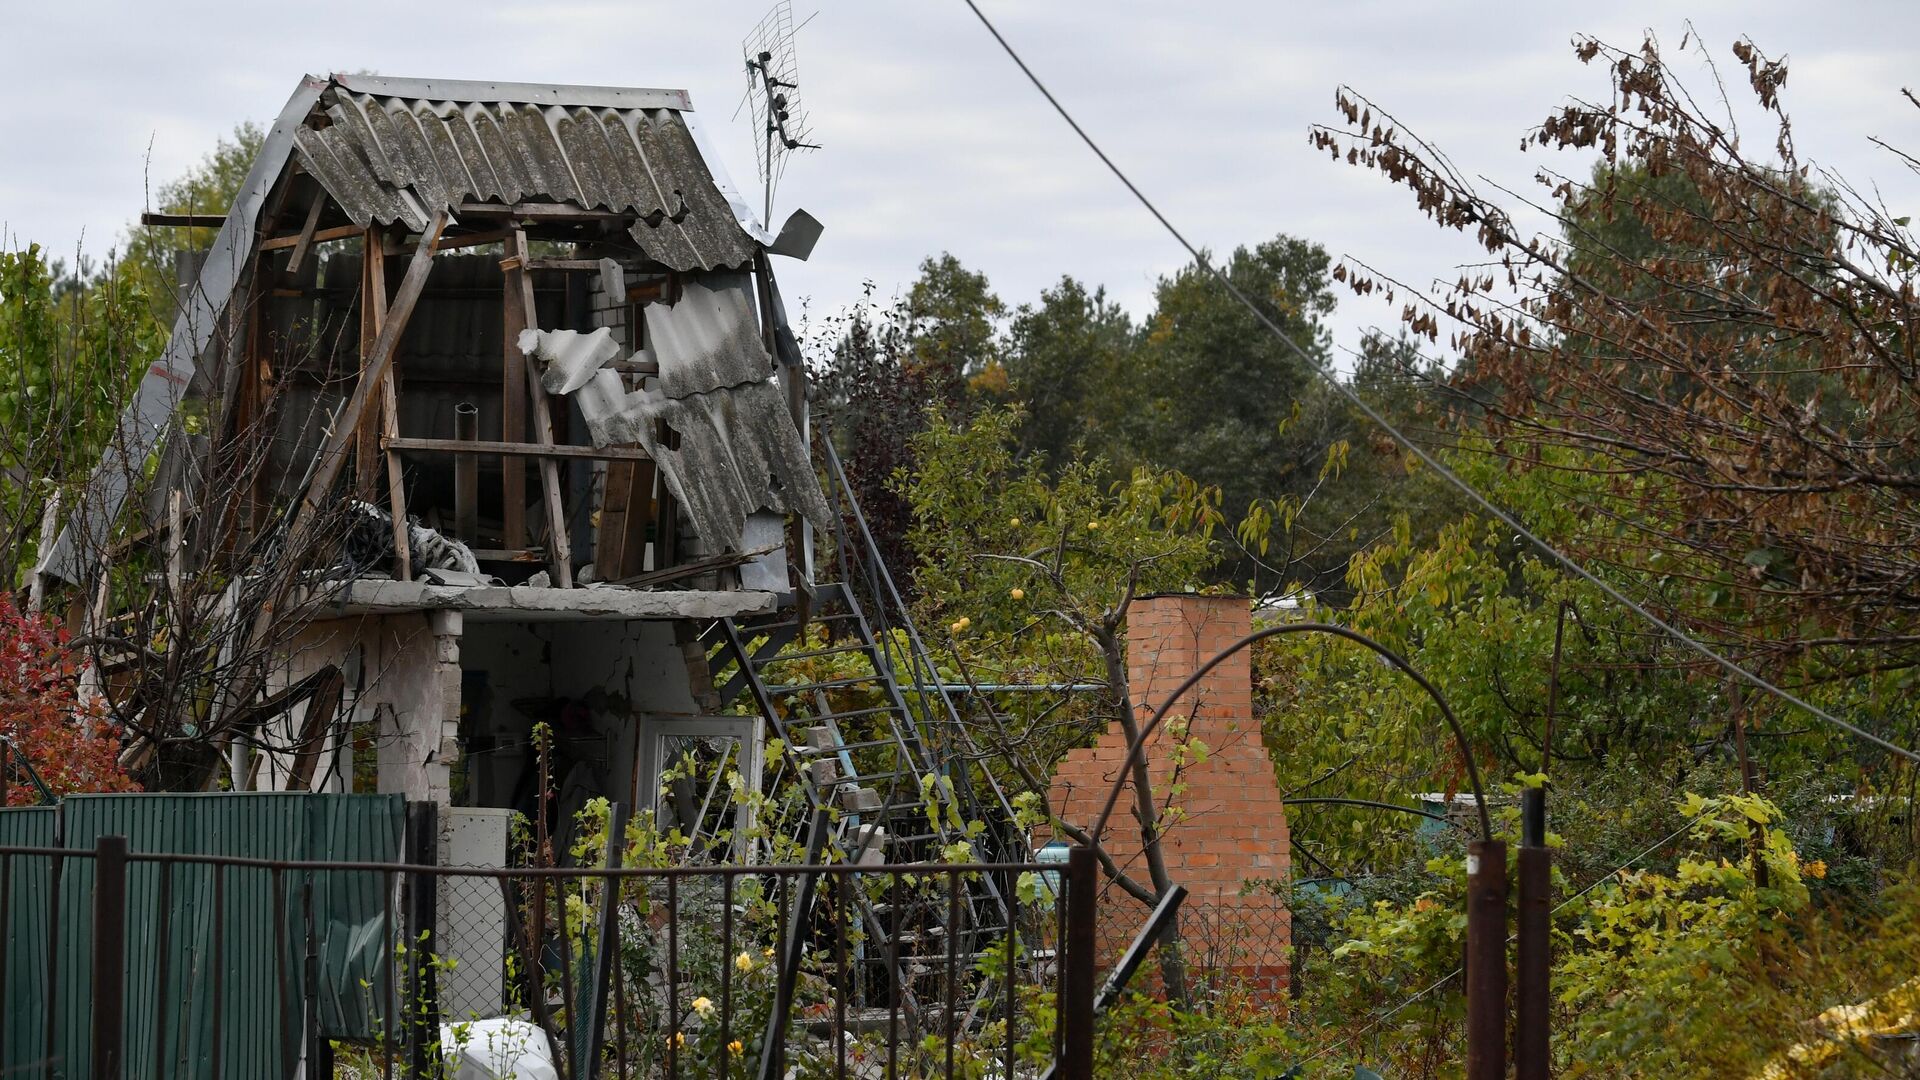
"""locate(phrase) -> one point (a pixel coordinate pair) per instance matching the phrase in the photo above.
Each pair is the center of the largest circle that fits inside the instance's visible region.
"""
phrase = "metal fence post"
(1076, 991)
(422, 1007)
(1486, 960)
(109, 955)
(1534, 962)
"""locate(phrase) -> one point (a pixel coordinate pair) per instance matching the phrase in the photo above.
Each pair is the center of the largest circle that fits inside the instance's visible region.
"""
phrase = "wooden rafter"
(558, 545)
(374, 371)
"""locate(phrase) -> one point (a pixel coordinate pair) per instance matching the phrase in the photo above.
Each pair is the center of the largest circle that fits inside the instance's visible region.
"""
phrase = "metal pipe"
(466, 474)
(1487, 960)
(109, 954)
(1534, 963)
(1076, 991)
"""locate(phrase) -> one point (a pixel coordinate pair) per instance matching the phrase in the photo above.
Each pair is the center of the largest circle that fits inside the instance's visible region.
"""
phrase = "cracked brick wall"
(1230, 830)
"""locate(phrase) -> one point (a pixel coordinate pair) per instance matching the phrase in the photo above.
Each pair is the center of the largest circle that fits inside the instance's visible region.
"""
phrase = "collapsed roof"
(407, 152)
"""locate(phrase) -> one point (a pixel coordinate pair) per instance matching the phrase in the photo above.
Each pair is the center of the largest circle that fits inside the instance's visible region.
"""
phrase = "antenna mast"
(773, 89)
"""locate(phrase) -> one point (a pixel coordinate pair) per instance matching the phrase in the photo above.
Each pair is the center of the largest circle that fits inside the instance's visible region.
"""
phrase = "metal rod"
(725, 1065)
(423, 999)
(466, 474)
(840, 973)
(673, 976)
(1486, 960)
(389, 993)
(315, 1050)
(1076, 993)
(953, 967)
(109, 956)
(607, 953)
(1013, 968)
(1534, 962)
(895, 981)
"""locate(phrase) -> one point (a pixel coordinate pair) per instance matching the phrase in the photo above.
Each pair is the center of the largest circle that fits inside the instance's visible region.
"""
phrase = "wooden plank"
(559, 545)
(373, 309)
(610, 532)
(333, 454)
(494, 448)
(305, 244)
(542, 212)
(396, 480)
(338, 232)
(376, 261)
(528, 555)
(513, 404)
(184, 221)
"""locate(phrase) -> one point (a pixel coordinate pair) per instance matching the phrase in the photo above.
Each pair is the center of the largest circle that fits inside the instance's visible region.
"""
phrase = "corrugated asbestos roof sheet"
(389, 158)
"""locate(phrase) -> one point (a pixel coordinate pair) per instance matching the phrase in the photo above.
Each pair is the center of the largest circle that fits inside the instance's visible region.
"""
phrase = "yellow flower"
(679, 1040)
(744, 962)
(702, 1005)
(769, 952)
(1816, 869)
(736, 1048)
(1017, 594)
(1093, 526)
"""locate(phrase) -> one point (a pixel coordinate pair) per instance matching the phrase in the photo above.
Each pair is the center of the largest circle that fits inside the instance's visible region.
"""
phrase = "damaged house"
(532, 427)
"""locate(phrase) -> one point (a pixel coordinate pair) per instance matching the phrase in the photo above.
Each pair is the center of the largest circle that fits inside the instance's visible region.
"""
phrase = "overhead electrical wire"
(1564, 561)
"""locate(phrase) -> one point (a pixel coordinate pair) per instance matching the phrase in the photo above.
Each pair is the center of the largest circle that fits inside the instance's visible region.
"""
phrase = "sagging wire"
(1553, 554)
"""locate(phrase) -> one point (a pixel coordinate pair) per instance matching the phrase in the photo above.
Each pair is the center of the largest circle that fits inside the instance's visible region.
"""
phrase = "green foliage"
(209, 187)
(1064, 357)
(71, 348)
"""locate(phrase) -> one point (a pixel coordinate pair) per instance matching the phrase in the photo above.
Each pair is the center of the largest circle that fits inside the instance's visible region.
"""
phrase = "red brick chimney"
(1231, 827)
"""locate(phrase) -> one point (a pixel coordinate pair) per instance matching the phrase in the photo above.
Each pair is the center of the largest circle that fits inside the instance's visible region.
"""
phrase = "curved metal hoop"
(1139, 743)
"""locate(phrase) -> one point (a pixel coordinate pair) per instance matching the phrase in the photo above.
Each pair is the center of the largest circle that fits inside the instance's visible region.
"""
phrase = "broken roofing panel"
(738, 450)
(392, 150)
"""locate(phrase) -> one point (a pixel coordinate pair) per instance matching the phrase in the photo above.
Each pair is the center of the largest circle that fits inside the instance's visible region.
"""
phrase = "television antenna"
(773, 94)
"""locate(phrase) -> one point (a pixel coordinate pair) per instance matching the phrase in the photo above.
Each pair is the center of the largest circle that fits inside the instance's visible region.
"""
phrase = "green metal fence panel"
(234, 976)
(24, 894)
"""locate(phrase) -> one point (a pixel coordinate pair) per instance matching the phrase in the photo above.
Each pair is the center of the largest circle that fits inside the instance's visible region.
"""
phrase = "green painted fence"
(205, 933)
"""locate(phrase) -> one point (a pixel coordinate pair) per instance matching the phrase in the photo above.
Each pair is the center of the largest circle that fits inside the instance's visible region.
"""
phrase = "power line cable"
(1426, 458)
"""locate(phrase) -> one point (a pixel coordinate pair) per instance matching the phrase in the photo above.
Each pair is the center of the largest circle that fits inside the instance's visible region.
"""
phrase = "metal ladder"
(877, 741)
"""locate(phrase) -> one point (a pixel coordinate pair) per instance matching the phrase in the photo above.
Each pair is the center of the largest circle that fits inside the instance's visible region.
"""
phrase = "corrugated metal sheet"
(738, 450)
(390, 158)
(253, 998)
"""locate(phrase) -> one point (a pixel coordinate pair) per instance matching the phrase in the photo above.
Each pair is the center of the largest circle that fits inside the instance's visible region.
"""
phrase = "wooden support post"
(513, 399)
(109, 946)
(373, 311)
(1487, 960)
(559, 547)
(1533, 992)
(379, 367)
(303, 246)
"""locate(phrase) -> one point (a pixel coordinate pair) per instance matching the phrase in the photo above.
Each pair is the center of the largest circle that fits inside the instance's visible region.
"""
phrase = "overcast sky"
(932, 139)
